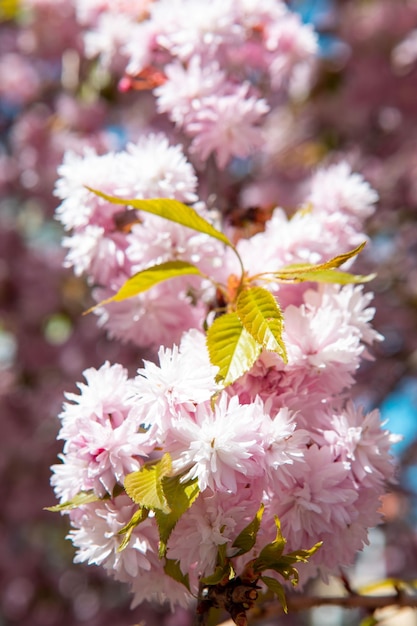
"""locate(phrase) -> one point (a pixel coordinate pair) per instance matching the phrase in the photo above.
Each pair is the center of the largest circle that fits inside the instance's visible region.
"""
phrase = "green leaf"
(231, 348)
(179, 497)
(272, 552)
(260, 314)
(222, 553)
(277, 589)
(221, 574)
(323, 272)
(301, 556)
(145, 485)
(338, 260)
(170, 210)
(84, 497)
(247, 537)
(137, 517)
(144, 280)
(329, 276)
(223, 571)
(272, 557)
(172, 568)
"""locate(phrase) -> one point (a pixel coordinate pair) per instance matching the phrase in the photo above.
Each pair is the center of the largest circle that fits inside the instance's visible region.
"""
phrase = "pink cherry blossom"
(220, 447)
(102, 444)
(185, 87)
(202, 112)
(227, 125)
(319, 500)
(183, 379)
(167, 307)
(337, 190)
(213, 520)
(359, 440)
(187, 30)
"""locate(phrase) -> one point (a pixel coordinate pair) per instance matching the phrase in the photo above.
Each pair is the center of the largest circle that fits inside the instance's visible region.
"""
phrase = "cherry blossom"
(283, 439)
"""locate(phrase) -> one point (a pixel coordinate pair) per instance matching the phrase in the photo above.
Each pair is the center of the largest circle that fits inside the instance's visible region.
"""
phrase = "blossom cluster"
(53, 98)
(216, 73)
(284, 434)
(109, 244)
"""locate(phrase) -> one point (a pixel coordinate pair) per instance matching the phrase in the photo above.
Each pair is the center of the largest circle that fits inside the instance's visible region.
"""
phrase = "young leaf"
(144, 280)
(283, 564)
(277, 589)
(322, 272)
(231, 348)
(222, 554)
(145, 485)
(260, 314)
(172, 568)
(247, 537)
(326, 276)
(223, 571)
(137, 517)
(300, 556)
(84, 497)
(221, 574)
(179, 497)
(338, 260)
(270, 555)
(170, 210)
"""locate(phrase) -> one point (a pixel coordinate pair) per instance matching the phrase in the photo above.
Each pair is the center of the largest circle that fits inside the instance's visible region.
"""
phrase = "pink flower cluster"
(109, 243)
(216, 70)
(283, 434)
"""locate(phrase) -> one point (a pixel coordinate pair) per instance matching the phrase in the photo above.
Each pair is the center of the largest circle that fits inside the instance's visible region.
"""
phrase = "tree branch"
(353, 601)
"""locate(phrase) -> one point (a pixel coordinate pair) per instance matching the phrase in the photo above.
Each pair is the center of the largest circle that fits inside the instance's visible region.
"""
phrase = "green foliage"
(225, 587)
(172, 568)
(312, 274)
(278, 590)
(261, 316)
(272, 557)
(322, 272)
(223, 571)
(84, 497)
(154, 489)
(221, 574)
(247, 537)
(144, 280)
(171, 210)
(137, 517)
(231, 348)
(285, 564)
(179, 497)
(145, 486)
(272, 552)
